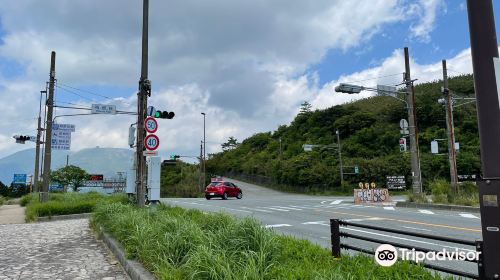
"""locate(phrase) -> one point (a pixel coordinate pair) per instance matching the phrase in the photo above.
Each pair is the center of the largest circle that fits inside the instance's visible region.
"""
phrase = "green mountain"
(369, 132)
(106, 161)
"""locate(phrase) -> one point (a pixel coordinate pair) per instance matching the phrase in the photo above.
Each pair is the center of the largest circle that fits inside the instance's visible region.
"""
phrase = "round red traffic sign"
(150, 125)
(151, 142)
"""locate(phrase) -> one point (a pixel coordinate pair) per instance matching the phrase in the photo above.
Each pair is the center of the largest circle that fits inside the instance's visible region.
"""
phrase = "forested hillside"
(369, 133)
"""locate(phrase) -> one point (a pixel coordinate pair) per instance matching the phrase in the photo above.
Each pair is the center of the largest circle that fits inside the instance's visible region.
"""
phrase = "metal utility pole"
(38, 142)
(452, 156)
(48, 131)
(486, 67)
(201, 160)
(204, 152)
(415, 156)
(142, 103)
(340, 159)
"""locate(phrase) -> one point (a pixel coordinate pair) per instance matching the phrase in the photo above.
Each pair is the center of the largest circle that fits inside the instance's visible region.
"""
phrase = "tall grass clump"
(65, 204)
(443, 193)
(175, 243)
(2, 200)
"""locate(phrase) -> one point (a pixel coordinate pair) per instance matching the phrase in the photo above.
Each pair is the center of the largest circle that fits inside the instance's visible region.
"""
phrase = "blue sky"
(248, 66)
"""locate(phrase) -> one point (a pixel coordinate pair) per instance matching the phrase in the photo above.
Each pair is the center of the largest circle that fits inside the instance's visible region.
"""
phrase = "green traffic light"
(157, 114)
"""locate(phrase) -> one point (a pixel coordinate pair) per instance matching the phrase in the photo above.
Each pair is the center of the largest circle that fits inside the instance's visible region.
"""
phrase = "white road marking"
(255, 209)
(278, 225)
(324, 223)
(336, 202)
(367, 219)
(416, 228)
(277, 209)
(323, 202)
(426, 212)
(389, 208)
(407, 239)
(290, 208)
(466, 215)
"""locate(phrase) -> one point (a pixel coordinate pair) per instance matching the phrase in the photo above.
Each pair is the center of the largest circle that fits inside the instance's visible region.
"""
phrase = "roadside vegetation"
(369, 133)
(2, 200)
(181, 180)
(174, 243)
(65, 203)
(442, 193)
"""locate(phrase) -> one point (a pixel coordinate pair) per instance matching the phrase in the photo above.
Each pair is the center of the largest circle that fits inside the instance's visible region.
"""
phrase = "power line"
(86, 91)
(379, 77)
(90, 92)
(72, 92)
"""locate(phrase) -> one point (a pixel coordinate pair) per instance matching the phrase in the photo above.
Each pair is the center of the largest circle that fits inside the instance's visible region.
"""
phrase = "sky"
(247, 64)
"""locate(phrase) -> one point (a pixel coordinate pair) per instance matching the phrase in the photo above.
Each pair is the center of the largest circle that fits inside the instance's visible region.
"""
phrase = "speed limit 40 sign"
(151, 142)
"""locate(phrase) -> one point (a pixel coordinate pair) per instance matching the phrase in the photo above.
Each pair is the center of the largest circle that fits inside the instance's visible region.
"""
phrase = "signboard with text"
(61, 136)
(103, 109)
(396, 182)
(19, 179)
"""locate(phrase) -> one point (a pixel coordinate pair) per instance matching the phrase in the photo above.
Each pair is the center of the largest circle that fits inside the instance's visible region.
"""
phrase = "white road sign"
(403, 124)
(150, 124)
(151, 142)
(103, 109)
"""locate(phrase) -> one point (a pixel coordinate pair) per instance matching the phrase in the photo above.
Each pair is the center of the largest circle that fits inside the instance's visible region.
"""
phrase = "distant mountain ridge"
(106, 161)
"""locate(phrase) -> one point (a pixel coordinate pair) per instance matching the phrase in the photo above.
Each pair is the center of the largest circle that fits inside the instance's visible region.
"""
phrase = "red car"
(222, 189)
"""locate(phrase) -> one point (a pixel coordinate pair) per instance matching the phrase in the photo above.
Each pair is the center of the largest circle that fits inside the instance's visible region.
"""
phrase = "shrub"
(2, 200)
(26, 199)
(175, 243)
(67, 203)
(419, 198)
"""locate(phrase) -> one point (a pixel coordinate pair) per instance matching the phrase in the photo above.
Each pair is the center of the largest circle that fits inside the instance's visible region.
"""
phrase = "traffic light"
(169, 162)
(174, 157)
(21, 139)
(402, 144)
(164, 115)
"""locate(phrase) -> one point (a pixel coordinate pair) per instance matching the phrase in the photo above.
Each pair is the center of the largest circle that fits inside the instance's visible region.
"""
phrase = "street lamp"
(204, 150)
(392, 92)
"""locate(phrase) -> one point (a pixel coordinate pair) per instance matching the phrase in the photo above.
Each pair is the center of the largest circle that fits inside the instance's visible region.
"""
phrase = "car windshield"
(214, 184)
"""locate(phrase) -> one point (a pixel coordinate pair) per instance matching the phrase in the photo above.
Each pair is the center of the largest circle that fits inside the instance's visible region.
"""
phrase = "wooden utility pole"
(415, 156)
(452, 156)
(48, 131)
(142, 103)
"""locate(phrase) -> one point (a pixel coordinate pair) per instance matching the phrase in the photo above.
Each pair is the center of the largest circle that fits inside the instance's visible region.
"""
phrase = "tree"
(305, 108)
(230, 144)
(69, 175)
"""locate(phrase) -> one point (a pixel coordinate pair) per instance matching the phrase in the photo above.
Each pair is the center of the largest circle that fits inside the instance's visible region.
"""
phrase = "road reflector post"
(335, 234)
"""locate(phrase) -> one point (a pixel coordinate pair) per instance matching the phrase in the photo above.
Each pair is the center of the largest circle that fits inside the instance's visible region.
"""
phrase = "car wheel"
(207, 197)
(224, 196)
(239, 196)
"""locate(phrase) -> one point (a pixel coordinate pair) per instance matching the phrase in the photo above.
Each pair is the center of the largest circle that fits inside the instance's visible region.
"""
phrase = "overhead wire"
(90, 92)
(379, 77)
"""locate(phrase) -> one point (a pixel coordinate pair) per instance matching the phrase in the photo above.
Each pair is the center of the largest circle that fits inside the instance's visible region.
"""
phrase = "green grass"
(175, 243)
(65, 203)
(2, 200)
(442, 193)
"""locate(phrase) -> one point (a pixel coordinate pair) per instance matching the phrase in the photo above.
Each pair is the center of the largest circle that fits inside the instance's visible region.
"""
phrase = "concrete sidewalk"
(11, 214)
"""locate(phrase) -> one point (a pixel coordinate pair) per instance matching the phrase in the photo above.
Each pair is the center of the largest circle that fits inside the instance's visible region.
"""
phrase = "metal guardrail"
(337, 245)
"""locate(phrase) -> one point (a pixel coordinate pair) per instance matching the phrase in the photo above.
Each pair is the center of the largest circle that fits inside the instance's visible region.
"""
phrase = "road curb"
(134, 269)
(438, 206)
(63, 217)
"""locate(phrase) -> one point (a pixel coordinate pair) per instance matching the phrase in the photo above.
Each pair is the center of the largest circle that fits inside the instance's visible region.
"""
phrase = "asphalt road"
(307, 217)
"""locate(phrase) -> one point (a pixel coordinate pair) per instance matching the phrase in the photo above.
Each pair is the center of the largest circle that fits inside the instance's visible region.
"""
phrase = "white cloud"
(242, 63)
(426, 11)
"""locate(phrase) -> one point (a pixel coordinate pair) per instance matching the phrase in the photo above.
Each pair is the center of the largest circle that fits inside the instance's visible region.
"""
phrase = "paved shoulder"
(55, 250)
(11, 214)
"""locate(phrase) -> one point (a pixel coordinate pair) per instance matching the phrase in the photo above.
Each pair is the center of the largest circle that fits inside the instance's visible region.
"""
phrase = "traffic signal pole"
(37, 149)
(48, 135)
(486, 68)
(415, 157)
(142, 103)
